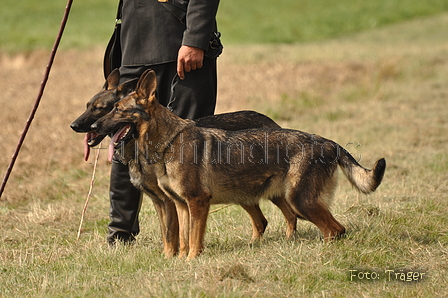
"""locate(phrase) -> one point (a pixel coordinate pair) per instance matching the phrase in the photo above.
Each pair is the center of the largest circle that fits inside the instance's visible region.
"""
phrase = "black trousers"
(191, 98)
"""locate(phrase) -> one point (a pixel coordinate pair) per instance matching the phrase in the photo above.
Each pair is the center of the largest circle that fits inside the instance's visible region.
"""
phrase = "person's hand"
(188, 59)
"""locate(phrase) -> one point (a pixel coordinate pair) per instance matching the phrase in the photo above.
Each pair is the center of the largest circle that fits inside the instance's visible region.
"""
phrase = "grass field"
(379, 93)
(28, 25)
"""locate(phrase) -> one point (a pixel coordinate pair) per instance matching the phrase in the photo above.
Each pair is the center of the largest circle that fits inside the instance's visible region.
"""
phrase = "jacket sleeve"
(200, 23)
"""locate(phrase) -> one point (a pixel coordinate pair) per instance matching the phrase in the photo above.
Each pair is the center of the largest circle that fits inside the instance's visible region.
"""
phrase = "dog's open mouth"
(120, 136)
(91, 140)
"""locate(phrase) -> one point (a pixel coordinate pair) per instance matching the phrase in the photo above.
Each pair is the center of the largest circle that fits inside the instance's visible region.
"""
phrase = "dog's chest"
(136, 175)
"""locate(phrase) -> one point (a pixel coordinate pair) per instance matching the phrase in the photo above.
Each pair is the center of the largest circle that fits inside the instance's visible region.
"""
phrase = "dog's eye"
(118, 111)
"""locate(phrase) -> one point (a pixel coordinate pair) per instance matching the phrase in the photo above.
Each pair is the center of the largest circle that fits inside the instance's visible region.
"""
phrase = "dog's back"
(237, 121)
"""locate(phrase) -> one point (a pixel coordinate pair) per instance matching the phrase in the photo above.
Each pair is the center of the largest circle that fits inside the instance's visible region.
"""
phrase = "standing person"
(178, 39)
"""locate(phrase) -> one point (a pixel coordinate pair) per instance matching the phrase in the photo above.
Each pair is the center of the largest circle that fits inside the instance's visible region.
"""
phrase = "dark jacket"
(150, 34)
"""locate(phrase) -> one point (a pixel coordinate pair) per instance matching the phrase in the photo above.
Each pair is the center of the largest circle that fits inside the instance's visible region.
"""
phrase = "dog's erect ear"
(146, 87)
(127, 87)
(112, 80)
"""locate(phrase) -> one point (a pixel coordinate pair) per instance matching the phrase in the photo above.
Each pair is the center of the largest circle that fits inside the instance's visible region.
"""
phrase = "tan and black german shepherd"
(104, 101)
(98, 106)
(196, 167)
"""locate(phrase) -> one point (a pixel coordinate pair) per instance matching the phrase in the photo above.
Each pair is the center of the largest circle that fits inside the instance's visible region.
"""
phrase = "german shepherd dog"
(196, 166)
(99, 105)
(104, 101)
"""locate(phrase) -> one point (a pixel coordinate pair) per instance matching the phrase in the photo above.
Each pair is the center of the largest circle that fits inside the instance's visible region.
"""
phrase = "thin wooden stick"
(218, 209)
(92, 181)
(39, 96)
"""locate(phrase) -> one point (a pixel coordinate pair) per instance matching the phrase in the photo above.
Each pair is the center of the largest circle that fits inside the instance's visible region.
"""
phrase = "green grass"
(290, 21)
(27, 25)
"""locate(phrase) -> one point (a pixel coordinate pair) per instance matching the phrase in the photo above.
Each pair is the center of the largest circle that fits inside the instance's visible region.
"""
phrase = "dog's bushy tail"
(363, 179)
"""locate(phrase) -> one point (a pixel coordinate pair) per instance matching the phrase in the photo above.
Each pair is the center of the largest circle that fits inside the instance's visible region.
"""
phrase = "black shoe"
(122, 237)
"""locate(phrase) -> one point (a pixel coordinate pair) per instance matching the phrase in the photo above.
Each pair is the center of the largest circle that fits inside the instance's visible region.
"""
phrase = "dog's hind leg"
(324, 220)
(288, 213)
(310, 200)
(259, 222)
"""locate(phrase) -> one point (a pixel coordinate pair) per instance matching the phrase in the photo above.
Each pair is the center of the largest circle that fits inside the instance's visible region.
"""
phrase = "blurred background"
(28, 25)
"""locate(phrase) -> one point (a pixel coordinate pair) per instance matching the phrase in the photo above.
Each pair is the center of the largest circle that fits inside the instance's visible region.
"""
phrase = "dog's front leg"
(172, 229)
(159, 206)
(184, 225)
(169, 225)
(259, 222)
(199, 208)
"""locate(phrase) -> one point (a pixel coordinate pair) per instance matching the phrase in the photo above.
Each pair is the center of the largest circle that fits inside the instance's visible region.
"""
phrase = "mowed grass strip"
(28, 25)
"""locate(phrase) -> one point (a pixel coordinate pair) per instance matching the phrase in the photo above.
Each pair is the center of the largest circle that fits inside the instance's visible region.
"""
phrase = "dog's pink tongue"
(86, 146)
(114, 140)
(111, 150)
